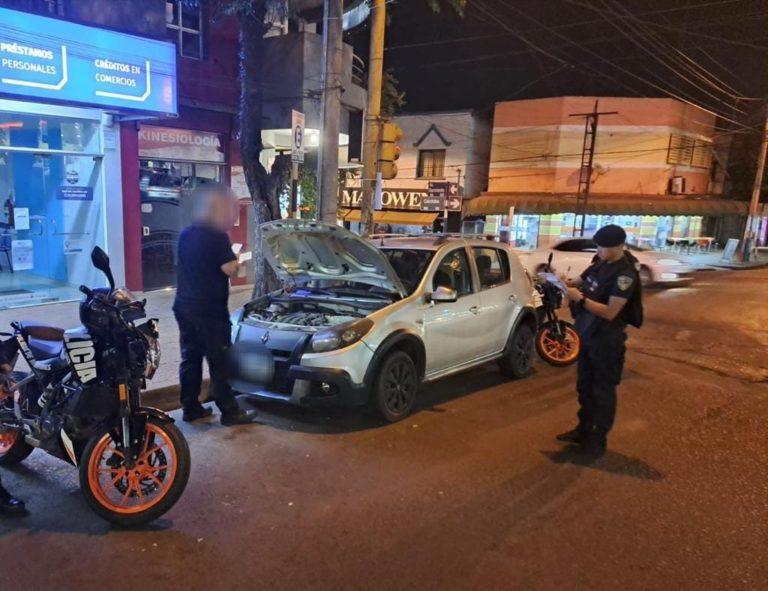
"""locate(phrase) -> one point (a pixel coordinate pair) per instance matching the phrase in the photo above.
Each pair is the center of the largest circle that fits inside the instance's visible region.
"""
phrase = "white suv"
(367, 321)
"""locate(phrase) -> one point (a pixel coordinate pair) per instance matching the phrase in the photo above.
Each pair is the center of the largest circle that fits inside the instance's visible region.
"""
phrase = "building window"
(431, 164)
(687, 151)
(184, 23)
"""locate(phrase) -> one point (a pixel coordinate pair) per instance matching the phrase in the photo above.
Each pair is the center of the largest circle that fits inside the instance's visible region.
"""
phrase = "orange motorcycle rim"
(7, 440)
(562, 350)
(135, 489)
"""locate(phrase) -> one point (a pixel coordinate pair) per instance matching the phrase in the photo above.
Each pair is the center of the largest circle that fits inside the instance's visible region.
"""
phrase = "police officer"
(600, 305)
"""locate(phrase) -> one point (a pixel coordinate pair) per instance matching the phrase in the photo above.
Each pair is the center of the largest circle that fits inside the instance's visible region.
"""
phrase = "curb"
(167, 397)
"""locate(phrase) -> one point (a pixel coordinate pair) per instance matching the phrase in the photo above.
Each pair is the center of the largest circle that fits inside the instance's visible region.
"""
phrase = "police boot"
(595, 443)
(9, 504)
(576, 435)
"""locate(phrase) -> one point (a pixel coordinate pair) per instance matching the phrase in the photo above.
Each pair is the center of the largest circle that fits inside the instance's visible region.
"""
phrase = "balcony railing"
(359, 73)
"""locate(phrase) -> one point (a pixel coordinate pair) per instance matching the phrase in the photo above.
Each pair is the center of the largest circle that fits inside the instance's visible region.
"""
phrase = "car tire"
(646, 276)
(394, 390)
(517, 361)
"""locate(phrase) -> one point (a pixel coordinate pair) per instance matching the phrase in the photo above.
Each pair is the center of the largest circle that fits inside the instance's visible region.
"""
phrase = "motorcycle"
(81, 402)
(557, 341)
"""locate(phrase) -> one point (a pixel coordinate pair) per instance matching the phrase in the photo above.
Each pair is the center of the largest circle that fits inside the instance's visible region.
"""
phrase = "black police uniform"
(601, 355)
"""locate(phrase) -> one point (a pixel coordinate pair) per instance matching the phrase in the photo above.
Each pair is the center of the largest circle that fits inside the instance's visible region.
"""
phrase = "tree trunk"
(262, 185)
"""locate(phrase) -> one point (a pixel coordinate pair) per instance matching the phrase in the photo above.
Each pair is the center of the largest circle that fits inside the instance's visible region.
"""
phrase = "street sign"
(436, 195)
(453, 200)
(297, 145)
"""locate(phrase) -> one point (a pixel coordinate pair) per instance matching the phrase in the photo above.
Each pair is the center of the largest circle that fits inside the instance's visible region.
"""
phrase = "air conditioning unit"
(677, 185)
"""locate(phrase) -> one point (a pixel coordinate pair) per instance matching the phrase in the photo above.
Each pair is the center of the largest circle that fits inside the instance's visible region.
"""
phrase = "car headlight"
(670, 262)
(341, 336)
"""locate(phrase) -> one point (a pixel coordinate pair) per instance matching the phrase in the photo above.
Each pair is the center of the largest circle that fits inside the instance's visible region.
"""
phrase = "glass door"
(166, 187)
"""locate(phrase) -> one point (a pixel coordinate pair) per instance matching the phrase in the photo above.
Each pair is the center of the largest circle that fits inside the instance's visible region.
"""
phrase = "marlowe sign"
(390, 198)
(50, 59)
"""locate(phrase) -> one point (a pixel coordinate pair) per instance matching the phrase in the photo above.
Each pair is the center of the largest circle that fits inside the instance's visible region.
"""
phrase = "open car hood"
(300, 251)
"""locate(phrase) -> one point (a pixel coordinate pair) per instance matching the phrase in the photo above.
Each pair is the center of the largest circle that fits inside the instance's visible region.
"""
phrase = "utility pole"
(751, 227)
(373, 112)
(587, 162)
(328, 154)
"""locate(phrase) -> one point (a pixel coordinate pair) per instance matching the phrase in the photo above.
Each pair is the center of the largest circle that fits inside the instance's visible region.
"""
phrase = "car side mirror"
(444, 295)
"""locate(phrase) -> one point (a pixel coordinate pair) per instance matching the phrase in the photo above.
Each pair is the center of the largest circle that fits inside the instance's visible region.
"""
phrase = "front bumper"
(312, 386)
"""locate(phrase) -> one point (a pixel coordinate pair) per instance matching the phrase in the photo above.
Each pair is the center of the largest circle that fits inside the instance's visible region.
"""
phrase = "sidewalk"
(713, 260)
(164, 386)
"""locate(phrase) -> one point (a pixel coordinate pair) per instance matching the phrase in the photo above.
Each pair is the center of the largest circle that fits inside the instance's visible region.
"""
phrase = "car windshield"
(409, 264)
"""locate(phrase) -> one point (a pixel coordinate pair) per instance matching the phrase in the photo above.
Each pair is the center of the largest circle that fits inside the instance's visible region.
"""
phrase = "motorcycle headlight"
(149, 330)
(341, 336)
(153, 357)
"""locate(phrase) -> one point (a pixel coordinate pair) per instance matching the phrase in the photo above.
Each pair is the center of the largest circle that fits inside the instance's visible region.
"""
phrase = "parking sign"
(297, 145)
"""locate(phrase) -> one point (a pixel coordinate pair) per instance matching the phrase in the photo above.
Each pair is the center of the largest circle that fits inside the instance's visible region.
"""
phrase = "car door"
(452, 334)
(572, 257)
(498, 297)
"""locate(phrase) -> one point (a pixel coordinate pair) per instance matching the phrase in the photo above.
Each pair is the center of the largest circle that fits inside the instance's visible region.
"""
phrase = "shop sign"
(74, 193)
(402, 199)
(49, 59)
(183, 144)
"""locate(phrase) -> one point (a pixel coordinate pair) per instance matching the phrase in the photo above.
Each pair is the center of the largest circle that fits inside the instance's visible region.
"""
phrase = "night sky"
(712, 52)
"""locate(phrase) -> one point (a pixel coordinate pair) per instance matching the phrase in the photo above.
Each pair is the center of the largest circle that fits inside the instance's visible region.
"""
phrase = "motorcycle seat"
(44, 332)
(44, 341)
(43, 349)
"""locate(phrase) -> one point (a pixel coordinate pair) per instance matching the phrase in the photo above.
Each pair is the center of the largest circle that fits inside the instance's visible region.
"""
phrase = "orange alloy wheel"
(7, 439)
(141, 487)
(557, 351)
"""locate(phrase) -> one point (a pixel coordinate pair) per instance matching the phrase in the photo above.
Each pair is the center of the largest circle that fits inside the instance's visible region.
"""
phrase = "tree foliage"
(266, 187)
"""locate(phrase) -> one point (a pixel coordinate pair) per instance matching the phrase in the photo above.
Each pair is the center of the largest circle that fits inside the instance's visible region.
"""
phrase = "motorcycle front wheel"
(134, 496)
(557, 343)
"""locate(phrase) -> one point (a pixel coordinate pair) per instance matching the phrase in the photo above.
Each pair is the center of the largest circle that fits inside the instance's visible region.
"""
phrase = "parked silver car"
(367, 321)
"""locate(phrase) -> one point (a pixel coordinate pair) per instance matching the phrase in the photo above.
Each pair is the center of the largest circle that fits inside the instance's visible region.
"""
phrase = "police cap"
(610, 235)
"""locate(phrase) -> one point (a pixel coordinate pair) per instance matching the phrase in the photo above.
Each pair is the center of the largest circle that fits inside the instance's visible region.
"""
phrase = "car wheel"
(646, 277)
(395, 389)
(518, 360)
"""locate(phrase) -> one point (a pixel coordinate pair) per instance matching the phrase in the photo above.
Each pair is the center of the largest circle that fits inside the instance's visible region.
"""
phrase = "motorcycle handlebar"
(86, 290)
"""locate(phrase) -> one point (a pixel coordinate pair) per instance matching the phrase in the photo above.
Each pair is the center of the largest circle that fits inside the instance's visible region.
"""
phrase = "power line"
(560, 26)
(601, 58)
(705, 75)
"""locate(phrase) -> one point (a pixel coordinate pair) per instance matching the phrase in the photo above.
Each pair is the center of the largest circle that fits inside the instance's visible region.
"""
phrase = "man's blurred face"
(610, 253)
(223, 211)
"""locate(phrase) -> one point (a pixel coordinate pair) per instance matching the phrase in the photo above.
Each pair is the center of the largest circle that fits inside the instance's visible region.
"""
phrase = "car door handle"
(513, 298)
(474, 310)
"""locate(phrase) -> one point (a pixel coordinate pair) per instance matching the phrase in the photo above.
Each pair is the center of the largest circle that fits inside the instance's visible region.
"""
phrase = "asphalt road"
(472, 492)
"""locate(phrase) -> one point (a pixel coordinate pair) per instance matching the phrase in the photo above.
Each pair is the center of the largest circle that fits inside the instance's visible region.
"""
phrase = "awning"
(397, 218)
(500, 203)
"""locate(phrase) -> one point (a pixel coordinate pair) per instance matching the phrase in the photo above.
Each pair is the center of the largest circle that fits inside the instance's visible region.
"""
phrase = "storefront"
(531, 221)
(60, 148)
(172, 164)
(402, 211)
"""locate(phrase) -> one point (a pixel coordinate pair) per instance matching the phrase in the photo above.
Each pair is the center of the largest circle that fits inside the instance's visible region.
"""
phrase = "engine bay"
(320, 314)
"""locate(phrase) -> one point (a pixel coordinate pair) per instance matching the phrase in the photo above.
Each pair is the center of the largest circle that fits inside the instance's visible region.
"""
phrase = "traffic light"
(389, 150)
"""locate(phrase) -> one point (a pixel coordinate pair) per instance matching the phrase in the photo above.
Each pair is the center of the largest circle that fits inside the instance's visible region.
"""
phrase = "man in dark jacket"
(599, 298)
(205, 264)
